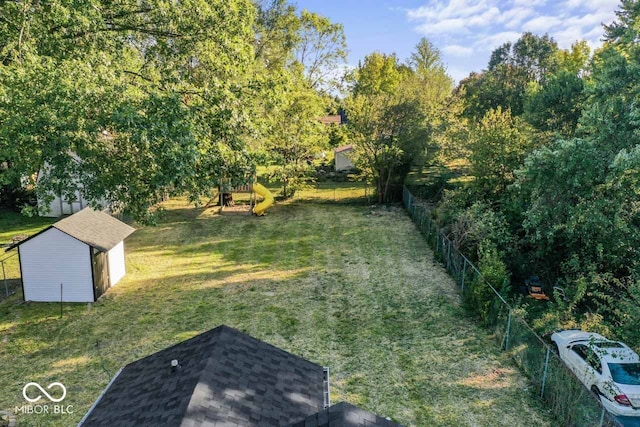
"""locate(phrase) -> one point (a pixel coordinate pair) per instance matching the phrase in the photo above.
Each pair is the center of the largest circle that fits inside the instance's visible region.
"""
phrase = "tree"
(510, 69)
(555, 103)
(394, 112)
(322, 48)
(498, 145)
(296, 134)
(126, 102)
(582, 213)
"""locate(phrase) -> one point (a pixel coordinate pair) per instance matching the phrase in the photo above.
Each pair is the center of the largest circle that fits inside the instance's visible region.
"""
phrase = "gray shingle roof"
(97, 229)
(344, 415)
(225, 378)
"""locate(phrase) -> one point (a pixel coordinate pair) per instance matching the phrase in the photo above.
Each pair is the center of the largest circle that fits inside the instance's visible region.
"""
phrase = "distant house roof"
(224, 378)
(344, 148)
(96, 229)
(331, 119)
(345, 415)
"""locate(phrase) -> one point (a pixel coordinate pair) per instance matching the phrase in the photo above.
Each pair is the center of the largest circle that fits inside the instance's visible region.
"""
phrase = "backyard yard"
(350, 286)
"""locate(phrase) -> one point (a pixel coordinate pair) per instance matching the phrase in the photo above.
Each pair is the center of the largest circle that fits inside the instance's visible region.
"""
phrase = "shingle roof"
(97, 229)
(345, 415)
(331, 119)
(343, 148)
(225, 378)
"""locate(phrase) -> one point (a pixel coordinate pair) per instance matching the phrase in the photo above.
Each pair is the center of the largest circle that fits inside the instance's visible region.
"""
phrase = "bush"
(480, 298)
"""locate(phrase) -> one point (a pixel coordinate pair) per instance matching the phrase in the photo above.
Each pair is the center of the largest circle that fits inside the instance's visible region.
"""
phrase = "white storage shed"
(343, 158)
(84, 252)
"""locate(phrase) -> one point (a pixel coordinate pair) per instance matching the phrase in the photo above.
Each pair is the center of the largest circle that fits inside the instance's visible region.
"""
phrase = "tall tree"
(510, 69)
(394, 111)
(321, 50)
(91, 78)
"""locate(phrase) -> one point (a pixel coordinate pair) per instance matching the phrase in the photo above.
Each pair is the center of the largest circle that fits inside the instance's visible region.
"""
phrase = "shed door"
(100, 272)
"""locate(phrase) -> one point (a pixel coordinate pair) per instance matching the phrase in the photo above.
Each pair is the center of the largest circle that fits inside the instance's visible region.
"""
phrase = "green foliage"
(128, 102)
(395, 114)
(480, 298)
(498, 145)
(321, 50)
(480, 226)
(379, 75)
(295, 135)
(511, 68)
(556, 104)
(565, 189)
(124, 102)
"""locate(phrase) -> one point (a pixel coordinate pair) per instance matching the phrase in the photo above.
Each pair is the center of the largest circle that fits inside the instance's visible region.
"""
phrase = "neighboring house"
(220, 378)
(343, 158)
(74, 260)
(61, 204)
(333, 119)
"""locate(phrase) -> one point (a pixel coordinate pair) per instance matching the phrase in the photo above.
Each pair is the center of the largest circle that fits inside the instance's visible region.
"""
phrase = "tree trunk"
(386, 186)
(380, 185)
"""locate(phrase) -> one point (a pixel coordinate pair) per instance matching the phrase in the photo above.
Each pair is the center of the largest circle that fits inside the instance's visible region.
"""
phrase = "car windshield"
(625, 373)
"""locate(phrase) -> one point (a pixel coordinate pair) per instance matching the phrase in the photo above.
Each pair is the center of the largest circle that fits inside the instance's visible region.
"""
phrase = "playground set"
(254, 188)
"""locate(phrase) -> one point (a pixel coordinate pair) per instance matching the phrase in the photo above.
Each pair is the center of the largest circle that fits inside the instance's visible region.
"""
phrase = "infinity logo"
(39, 387)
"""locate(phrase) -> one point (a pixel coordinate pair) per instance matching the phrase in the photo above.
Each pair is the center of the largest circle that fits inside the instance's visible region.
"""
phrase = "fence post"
(4, 278)
(602, 417)
(449, 255)
(506, 343)
(544, 373)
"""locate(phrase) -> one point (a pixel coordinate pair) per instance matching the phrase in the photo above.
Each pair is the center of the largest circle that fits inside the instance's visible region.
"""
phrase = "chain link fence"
(10, 281)
(571, 402)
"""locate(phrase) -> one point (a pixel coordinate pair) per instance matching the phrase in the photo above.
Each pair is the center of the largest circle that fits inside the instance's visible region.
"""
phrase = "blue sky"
(465, 31)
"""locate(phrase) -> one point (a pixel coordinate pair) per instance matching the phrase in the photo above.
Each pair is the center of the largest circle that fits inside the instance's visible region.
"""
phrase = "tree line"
(542, 164)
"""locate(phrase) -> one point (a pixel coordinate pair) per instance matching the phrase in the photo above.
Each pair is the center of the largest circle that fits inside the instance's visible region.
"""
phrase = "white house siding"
(51, 258)
(61, 205)
(116, 263)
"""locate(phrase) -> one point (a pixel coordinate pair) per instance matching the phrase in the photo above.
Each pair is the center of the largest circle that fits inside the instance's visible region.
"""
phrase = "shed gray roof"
(225, 378)
(95, 228)
(345, 415)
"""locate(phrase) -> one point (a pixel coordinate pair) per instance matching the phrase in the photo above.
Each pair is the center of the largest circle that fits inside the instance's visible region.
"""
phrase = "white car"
(608, 368)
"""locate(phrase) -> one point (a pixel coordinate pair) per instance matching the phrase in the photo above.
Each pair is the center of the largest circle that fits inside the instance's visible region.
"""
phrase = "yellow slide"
(262, 191)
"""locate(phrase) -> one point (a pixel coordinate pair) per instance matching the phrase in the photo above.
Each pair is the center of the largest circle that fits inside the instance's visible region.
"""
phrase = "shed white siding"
(343, 161)
(51, 258)
(117, 268)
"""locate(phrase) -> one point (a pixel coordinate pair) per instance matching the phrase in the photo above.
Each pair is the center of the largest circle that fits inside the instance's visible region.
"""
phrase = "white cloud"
(492, 41)
(529, 3)
(470, 29)
(541, 24)
(513, 18)
(592, 4)
(444, 26)
(457, 50)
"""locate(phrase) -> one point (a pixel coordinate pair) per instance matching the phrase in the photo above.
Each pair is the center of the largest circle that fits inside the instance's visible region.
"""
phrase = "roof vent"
(175, 365)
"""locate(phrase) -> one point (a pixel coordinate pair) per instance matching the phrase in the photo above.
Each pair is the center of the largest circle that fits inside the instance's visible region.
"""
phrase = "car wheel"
(555, 348)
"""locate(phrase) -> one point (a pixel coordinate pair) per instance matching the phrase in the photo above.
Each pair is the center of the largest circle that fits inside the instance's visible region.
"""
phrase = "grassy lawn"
(353, 287)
